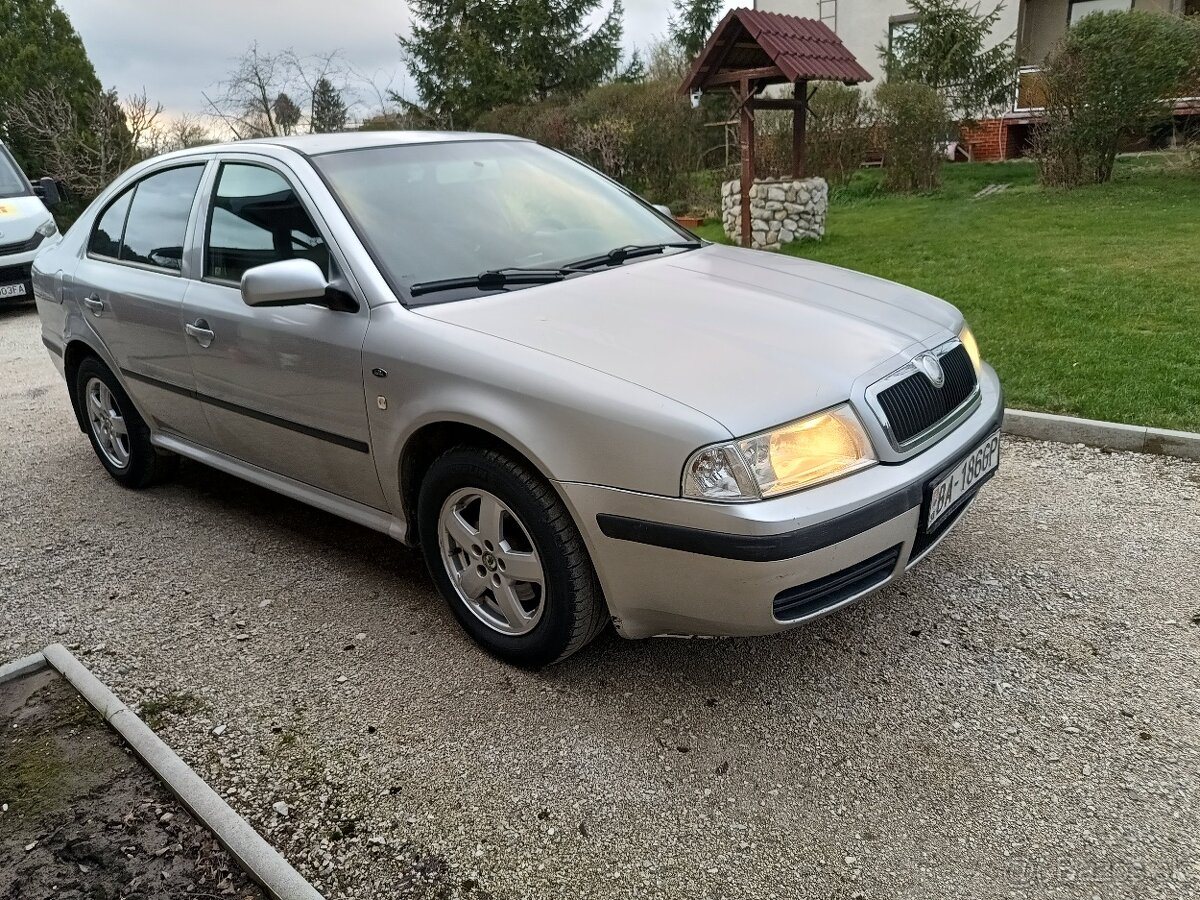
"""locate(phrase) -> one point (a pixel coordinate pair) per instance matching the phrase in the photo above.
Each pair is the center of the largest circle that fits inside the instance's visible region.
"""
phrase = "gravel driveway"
(1019, 718)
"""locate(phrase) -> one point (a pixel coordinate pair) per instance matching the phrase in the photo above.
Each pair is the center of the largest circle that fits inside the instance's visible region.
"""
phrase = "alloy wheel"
(107, 423)
(491, 561)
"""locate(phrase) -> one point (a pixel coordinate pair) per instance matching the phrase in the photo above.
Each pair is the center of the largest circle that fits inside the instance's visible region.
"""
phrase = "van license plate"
(972, 469)
(11, 290)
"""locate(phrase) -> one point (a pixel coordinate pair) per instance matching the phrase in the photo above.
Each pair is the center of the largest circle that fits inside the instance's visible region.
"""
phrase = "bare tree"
(250, 102)
(185, 132)
(246, 101)
(89, 151)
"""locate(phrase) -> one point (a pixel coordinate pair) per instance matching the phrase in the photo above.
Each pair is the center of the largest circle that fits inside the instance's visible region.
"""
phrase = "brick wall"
(988, 140)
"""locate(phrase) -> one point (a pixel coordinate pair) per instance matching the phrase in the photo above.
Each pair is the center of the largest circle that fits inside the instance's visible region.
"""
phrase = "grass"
(1087, 302)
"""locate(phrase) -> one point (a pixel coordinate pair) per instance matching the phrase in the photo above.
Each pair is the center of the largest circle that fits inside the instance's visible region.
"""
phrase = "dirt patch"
(84, 818)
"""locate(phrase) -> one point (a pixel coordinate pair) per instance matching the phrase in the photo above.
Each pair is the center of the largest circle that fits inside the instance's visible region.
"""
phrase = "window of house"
(257, 218)
(147, 223)
(899, 28)
(1081, 9)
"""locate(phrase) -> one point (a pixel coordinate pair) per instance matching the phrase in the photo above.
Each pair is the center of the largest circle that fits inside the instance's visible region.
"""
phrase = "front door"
(282, 387)
(130, 286)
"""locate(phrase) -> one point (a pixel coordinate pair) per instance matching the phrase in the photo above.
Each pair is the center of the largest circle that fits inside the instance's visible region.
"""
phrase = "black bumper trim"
(762, 547)
(52, 347)
(777, 547)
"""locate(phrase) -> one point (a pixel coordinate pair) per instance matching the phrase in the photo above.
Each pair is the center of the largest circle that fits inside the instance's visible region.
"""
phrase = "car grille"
(914, 405)
(809, 599)
(24, 247)
(10, 274)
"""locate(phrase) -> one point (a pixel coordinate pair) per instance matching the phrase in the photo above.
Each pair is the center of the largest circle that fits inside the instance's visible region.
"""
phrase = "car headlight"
(49, 228)
(801, 454)
(972, 347)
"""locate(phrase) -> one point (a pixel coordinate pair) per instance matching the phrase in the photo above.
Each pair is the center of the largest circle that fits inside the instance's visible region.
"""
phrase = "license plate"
(970, 471)
(11, 290)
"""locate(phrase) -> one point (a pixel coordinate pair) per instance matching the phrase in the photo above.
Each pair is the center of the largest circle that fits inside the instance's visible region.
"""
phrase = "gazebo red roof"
(749, 40)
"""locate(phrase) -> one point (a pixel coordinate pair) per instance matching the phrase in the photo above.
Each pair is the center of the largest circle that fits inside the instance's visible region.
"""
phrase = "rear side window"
(158, 217)
(106, 236)
(257, 218)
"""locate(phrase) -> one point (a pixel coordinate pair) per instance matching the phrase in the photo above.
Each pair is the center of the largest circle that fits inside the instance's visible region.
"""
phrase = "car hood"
(751, 339)
(19, 216)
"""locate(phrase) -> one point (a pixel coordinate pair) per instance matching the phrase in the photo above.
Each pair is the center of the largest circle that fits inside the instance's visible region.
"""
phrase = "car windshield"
(12, 182)
(429, 212)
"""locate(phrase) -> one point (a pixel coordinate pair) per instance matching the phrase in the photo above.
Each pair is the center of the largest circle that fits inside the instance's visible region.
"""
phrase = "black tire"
(573, 611)
(146, 464)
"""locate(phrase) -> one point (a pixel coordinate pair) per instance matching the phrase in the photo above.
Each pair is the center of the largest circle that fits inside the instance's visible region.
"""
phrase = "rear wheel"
(503, 551)
(118, 433)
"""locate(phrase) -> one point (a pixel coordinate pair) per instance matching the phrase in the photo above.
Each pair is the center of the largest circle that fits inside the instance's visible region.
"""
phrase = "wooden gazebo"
(751, 50)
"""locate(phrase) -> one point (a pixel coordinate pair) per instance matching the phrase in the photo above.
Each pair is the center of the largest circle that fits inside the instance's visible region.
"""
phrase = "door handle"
(201, 332)
(95, 304)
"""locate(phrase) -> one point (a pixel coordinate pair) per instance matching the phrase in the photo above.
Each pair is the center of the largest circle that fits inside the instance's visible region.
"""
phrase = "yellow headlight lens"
(972, 347)
(803, 453)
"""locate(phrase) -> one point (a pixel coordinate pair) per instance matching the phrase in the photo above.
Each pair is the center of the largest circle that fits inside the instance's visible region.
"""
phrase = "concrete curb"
(18, 668)
(255, 855)
(1107, 435)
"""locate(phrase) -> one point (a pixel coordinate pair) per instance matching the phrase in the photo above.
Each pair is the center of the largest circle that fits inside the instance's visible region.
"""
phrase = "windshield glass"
(451, 210)
(12, 183)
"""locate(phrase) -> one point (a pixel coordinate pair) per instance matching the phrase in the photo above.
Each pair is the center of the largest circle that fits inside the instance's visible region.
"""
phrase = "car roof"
(315, 144)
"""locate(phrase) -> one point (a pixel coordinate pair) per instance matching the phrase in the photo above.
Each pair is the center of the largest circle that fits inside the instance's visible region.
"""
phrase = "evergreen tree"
(287, 114)
(470, 56)
(692, 24)
(634, 71)
(328, 108)
(947, 48)
(38, 50)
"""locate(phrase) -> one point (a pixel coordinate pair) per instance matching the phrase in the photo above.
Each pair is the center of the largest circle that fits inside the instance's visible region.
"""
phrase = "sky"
(178, 48)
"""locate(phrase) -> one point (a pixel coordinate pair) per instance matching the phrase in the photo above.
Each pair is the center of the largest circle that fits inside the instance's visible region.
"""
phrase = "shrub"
(1108, 78)
(914, 123)
(839, 132)
(645, 134)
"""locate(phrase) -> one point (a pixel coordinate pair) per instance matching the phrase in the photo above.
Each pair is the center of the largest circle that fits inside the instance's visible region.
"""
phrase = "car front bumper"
(677, 566)
(17, 268)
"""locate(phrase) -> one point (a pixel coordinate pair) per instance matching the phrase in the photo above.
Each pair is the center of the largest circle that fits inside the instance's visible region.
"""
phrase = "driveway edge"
(19, 668)
(1106, 435)
(258, 858)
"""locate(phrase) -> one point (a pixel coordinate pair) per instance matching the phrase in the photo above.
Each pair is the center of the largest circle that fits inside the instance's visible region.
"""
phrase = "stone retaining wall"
(781, 211)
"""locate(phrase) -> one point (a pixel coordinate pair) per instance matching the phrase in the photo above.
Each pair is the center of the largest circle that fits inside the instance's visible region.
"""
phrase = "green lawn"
(1087, 302)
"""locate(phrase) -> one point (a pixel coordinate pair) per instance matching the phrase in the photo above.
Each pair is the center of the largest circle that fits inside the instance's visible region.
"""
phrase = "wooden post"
(800, 131)
(746, 140)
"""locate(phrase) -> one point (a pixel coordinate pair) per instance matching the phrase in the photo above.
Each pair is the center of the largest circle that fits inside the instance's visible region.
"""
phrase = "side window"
(158, 217)
(106, 236)
(256, 219)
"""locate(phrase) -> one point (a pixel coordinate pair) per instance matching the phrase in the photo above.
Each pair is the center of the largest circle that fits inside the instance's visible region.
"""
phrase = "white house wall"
(863, 24)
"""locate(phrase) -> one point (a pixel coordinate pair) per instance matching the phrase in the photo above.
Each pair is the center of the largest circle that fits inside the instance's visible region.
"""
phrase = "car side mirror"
(48, 190)
(665, 210)
(292, 282)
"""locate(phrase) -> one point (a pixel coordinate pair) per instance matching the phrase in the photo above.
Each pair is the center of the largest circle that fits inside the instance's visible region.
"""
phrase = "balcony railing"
(1030, 93)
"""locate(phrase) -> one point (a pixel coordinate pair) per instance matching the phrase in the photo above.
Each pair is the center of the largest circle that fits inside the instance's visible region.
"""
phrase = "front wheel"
(503, 551)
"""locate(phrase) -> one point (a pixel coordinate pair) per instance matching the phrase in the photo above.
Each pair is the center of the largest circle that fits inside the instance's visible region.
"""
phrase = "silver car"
(580, 412)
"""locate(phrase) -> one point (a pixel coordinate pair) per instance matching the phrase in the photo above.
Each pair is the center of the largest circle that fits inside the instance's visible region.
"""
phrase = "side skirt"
(331, 503)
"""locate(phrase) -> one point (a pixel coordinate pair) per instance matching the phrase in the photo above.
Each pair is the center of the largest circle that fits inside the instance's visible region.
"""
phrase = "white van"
(26, 227)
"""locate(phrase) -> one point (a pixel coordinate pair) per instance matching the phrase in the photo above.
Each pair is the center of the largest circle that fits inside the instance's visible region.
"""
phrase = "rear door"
(282, 387)
(130, 286)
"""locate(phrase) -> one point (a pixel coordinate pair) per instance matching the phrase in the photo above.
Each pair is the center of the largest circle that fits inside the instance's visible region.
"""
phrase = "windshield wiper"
(494, 279)
(619, 255)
